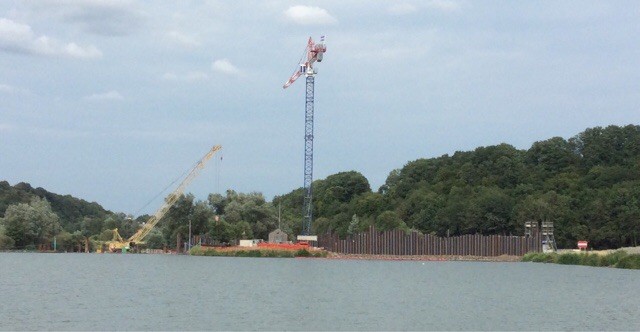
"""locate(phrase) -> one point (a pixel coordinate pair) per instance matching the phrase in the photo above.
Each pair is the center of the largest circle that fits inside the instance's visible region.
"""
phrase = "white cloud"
(8, 89)
(402, 9)
(107, 96)
(4, 88)
(444, 5)
(185, 40)
(308, 15)
(192, 76)
(20, 38)
(100, 17)
(224, 66)
(5, 127)
(77, 51)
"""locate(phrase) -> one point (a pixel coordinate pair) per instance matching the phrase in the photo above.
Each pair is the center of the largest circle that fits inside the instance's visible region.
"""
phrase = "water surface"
(169, 292)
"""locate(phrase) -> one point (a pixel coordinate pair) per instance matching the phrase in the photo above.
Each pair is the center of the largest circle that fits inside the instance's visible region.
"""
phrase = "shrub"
(590, 259)
(569, 259)
(6, 242)
(302, 253)
(629, 262)
(612, 259)
(248, 253)
(539, 257)
(321, 254)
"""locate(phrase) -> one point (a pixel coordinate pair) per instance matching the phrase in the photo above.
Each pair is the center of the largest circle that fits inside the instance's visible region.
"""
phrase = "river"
(171, 292)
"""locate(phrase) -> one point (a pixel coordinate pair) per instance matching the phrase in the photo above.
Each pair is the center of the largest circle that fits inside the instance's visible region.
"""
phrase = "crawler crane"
(118, 244)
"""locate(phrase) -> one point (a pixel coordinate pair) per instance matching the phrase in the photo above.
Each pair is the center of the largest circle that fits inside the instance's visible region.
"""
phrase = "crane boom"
(172, 198)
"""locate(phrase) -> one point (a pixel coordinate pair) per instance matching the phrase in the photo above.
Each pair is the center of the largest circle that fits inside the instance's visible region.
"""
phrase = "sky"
(112, 101)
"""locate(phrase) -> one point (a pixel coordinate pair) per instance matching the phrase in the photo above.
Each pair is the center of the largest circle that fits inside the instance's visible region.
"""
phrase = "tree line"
(588, 185)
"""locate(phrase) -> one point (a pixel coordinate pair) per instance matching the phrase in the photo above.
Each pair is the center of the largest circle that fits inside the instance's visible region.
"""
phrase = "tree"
(389, 220)
(6, 242)
(31, 224)
(155, 240)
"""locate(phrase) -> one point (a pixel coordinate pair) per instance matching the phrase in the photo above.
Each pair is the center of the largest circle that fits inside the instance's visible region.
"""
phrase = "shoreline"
(425, 258)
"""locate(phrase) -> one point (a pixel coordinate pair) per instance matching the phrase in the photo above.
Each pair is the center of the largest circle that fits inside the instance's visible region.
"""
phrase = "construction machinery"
(119, 244)
(313, 53)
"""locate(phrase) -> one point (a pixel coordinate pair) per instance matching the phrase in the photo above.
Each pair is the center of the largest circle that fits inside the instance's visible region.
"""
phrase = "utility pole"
(189, 234)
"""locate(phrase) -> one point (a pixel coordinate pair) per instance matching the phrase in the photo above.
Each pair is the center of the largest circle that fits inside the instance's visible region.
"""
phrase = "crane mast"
(313, 53)
(139, 236)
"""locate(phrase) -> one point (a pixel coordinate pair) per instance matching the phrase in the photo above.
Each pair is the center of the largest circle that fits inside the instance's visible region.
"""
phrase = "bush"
(199, 251)
(612, 259)
(6, 242)
(546, 258)
(620, 259)
(321, 254)
(629, 262)
(590, 259)
(569, 259)
(539, 257)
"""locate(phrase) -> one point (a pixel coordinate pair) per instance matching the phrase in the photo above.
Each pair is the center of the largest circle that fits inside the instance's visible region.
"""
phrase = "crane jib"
(171, 199)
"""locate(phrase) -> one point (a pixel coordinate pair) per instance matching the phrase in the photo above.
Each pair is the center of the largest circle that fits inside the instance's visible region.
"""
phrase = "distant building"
(278, 236)
(249, 243)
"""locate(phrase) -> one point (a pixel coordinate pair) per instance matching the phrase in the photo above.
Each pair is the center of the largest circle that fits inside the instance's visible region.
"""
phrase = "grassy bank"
(617, 259)
(199, 251)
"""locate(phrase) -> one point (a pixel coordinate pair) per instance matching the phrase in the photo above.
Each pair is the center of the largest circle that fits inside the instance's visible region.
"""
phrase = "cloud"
(192, 76)
(8, 89)
(444, 5)
(224, 66)
(5, 127)
(185, 40)
(100, 17)
(402, 9)
(308, 15)
(20, 38)
(107, 96)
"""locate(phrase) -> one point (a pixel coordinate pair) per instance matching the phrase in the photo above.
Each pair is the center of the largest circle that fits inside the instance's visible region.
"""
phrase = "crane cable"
(167, 187)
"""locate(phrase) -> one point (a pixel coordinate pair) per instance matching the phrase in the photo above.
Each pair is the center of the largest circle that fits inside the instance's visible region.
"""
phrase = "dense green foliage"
(588, 185)
(31, 218)
(619, 259)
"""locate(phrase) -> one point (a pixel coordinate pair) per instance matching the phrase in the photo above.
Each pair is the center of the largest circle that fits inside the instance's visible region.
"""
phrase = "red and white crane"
(313, 53)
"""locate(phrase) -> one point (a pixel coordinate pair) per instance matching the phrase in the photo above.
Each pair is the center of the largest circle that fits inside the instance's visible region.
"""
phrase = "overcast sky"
(111, 101)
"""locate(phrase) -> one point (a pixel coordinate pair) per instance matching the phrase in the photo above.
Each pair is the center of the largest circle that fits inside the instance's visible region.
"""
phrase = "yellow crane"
(119, 244)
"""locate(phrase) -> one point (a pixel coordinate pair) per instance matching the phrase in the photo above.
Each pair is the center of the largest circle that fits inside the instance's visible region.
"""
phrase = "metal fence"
(398, 242)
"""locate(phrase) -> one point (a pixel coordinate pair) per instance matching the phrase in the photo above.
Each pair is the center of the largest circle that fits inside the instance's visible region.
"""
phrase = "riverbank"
(429, 258)
(616, 259)
(256, 252)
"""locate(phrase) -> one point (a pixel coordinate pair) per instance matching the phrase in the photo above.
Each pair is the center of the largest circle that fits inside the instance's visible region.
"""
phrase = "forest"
(588, 185)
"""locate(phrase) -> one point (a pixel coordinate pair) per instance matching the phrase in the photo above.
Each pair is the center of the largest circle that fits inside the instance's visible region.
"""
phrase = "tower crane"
(118, 243)
(313, 53)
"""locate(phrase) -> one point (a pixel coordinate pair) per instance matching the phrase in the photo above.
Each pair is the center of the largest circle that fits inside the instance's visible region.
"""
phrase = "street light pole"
(189, 234)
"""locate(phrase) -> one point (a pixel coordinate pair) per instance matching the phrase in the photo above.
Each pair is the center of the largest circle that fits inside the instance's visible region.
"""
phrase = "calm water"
(166, 292)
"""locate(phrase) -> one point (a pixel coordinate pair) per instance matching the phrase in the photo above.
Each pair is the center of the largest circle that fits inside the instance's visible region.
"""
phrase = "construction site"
(278, 240)
(537, 236)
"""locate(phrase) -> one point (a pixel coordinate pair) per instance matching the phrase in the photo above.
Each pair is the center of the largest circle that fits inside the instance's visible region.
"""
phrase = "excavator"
(117, 243)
